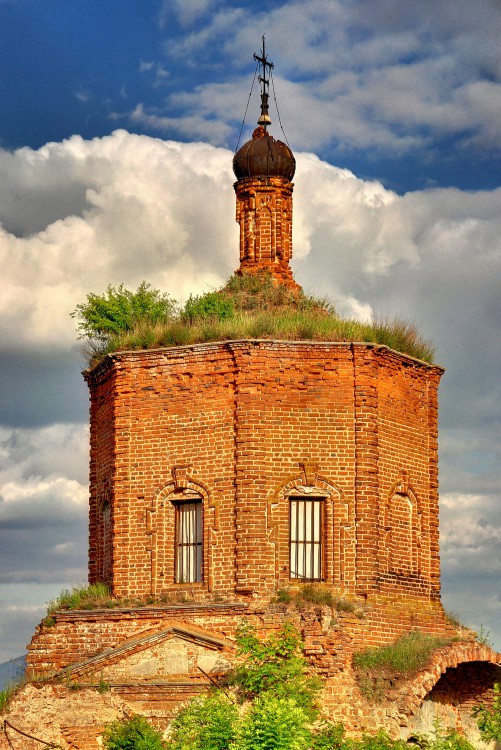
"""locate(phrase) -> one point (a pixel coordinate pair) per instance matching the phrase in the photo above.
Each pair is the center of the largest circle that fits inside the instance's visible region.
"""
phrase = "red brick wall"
(248, 424)
(264, 212)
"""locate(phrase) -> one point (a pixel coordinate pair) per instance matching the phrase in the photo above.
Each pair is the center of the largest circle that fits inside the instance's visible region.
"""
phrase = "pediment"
(173, 650)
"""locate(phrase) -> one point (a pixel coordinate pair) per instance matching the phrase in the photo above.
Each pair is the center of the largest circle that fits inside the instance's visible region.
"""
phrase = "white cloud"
(127, 208)
(121, 208)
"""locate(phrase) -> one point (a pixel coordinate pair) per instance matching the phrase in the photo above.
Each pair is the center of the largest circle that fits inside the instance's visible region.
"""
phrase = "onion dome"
(263, 156)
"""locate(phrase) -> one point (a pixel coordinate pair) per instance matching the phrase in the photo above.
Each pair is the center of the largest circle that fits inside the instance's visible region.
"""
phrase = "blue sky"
(117, 127)
(406, 93)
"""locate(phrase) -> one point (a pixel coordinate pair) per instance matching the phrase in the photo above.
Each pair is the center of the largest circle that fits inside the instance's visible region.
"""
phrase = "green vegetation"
(453, 618)
(7, 694)
(119, 310)
(377, 667)
(251, 306)
(405, 656)
(443, 739)
(207, 723)
(135, 733)
(484, 637)
(273, 723)
(276, 667)
(320, 596)
(98, 596)
(270, 707)
(271, 704)
(93, 596)
(489, 719)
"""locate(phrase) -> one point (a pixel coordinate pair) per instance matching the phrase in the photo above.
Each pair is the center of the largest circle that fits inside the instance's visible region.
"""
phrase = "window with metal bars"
(189, 542)
(306, 530)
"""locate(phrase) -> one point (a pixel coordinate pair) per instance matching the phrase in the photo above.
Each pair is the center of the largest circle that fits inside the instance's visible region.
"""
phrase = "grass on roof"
(253, 306)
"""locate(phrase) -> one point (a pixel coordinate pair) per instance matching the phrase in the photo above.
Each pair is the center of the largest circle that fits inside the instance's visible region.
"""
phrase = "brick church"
(222, 473)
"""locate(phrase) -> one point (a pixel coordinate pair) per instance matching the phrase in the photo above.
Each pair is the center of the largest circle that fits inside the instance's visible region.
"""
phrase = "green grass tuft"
(406, 655)
(253, 306)
(93, 596)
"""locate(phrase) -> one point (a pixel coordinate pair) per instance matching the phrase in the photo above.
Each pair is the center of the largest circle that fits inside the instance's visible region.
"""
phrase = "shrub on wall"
(489, 719)
(135, 733)
(207, 723)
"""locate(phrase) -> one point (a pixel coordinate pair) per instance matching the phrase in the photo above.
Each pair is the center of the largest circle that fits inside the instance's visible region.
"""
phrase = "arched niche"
(180, 533)
(403, 532)
(337, 539)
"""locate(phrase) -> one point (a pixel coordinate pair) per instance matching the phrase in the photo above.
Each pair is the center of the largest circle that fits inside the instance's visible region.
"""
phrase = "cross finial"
(264, 118)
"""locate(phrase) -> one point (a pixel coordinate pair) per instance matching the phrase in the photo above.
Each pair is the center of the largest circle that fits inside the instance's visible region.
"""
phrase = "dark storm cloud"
(38, 388)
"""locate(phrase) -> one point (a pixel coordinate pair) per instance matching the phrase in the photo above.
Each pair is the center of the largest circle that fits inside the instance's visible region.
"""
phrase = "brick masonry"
(264, 213)
(244, 426)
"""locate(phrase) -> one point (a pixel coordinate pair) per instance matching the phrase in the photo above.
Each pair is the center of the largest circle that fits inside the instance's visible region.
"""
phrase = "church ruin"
(224, 472)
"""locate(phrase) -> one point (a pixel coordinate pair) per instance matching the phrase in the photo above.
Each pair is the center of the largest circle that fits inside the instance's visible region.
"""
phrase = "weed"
(103, 686)
(484, 637)
(453, 618)
(489, 719)
(7, 694)
(405, 655)
(284, 596)
(443, 739)
(377, 667)
(248, 306)
(344, 605)
(93, 596)
(316, 595)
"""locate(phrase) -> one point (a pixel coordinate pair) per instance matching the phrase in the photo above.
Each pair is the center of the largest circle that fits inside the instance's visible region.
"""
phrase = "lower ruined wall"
(103, 664)
(371, 622)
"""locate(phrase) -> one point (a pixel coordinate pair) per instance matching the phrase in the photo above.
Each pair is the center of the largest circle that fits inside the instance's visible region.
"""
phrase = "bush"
(274, 723)
(276, 666)
(119, 310)
(329, 736)
(205, 724)
(443, 739)
(379, 741)
(135, 733)
(211, 305)
(489, 719)
(249, 306)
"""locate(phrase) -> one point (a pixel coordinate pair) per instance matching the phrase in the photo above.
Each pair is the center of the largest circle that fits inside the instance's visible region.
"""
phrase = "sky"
(118, 122)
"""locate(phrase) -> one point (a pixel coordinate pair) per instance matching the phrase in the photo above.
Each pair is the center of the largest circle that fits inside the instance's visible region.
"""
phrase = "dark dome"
(263, 156)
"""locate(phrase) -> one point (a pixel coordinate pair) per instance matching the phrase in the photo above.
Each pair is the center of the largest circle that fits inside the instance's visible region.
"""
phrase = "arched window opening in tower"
(305, 538)
(189, 541)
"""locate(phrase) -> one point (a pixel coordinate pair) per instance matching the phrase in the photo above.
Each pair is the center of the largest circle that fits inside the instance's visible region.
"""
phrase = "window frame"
(315, 546)
(188, 538)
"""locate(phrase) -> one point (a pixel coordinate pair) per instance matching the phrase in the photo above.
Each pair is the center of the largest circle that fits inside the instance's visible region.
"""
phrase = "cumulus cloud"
(22, 606)
(121, 208)
(126, 208)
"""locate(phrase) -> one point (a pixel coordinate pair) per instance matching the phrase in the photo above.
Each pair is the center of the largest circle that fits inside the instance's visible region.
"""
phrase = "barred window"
(189, 547)
(306, 522)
